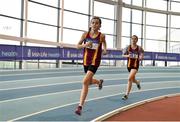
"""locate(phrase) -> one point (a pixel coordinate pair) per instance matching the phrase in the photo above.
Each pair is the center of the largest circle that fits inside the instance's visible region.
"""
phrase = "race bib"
(133, 55)
(93, 43)
(94, 46)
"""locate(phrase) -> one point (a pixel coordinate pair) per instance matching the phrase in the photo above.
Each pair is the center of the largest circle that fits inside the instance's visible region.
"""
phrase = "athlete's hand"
(140, 57)
(88, 44)
(104, 52)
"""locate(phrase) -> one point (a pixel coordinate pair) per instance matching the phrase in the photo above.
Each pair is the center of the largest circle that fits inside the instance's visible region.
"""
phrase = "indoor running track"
(52, 95)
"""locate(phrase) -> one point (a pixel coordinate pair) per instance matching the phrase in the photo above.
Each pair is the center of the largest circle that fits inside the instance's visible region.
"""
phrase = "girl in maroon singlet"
(92, 42)
(134, 54)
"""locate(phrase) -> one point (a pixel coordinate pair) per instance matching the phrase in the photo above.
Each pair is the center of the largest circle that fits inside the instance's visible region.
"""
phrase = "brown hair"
(95, 17)
(135, 36)
(98, 18)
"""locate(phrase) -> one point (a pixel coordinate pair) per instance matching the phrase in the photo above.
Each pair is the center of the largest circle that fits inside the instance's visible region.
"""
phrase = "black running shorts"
(129, 68)
(90, 68)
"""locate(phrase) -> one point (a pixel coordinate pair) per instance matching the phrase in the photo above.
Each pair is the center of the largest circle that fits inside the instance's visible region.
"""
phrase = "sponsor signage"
(13, 52)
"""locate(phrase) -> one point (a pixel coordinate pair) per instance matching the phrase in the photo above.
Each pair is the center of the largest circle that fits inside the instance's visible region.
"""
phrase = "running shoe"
(125, 97)
(78, 110)
(101, 84)
(138, 85)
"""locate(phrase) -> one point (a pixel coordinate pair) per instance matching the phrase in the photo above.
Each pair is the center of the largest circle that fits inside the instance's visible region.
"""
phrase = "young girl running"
(92, 42)
(134, 53)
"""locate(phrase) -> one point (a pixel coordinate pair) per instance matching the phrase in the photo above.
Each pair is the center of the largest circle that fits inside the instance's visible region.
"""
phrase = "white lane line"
(2, 82)
(41, 95)
(35, 86)
(19, 70)
(127, 107)
(58, 77)
(59, 72)
(81, 69)
(40, 73)
(61, 106)
(64, 83)
(97, 75)
(75, 71)
(46, 78)
(64, 92)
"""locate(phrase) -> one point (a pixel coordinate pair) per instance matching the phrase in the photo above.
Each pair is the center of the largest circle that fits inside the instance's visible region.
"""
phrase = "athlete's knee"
(86, 82)
(130, 79)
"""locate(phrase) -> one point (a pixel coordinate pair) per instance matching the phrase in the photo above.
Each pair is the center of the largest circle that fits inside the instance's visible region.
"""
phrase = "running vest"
(133, 61)
(92, 55)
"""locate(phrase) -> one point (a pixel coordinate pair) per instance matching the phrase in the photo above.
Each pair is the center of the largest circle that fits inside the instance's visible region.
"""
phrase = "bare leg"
(131, 79)
(86, 81)
(95, 81)
(135, 81)
(129, 86)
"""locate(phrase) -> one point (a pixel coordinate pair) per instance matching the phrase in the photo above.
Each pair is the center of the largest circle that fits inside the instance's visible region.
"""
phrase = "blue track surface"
(52, 95)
